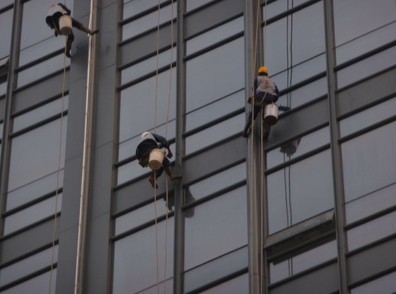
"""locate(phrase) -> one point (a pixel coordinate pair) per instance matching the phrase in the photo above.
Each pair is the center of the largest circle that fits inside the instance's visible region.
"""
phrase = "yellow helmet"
(263, 70)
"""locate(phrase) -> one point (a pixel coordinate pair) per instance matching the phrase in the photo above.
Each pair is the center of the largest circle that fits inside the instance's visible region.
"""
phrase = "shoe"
(176, 178)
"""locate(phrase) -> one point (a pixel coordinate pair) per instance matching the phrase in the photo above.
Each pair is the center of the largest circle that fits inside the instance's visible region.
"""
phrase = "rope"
(54, 229)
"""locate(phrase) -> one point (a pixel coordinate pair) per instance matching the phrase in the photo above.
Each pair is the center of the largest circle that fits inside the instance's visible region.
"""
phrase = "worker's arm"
(65, 8)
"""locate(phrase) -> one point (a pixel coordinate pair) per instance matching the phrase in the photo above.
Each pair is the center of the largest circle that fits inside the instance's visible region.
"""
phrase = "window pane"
(41, 49)
(192, 4)
(300, 191)
(5, 32)
(298, 147)
(304, 261)
(134, 7)
(218, 227)
(218, 182)
(368, 117)
(238, 285)
(28, 266)
(39, 284)
(207, 83)
(386, 283)
(36, 154)
(279, 6)
(32, 214)
(372, 231)
(215, 133)
(215, 35)
(136, 270)
(368, 165)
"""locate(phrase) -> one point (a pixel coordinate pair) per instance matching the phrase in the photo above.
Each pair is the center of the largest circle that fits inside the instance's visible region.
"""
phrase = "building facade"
(309, 209)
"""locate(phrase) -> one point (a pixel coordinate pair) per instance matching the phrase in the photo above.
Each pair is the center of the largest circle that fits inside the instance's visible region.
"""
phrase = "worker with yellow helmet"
(266, 92)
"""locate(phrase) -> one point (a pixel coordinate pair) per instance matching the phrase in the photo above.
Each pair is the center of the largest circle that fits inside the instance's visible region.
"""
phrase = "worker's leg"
(81, 27)
(69, 43)
(248, 124)
(169, 171)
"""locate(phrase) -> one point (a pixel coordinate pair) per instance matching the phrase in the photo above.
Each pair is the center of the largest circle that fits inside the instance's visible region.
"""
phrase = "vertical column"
(339, 198)
(178, 263)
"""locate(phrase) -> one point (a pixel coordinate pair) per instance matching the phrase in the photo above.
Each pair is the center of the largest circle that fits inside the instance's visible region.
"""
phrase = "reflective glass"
(215, 133)
(302, 262)
(368, 117)
(218, 227)
(215, 35)
(371, 203)
(134, 7)
(297, 147)
(40, 114)
(386, 283)
(41, 70)
(238, 285)
(32, 214)
(214, 110)
(41, 49)
(218, 182)
(28, 266)
(300, 191)
(367, 67)
(136, 270)
(148, 65)
(37, 154)
(296, 40)
(5, 32)
(146, 105)
(3, 88)
(5, 3)
(149, 21)
(192, 4)
(216, 269)
(369, 162)
(372, 231)
(38, 284)
(379, 13)
(207, 83)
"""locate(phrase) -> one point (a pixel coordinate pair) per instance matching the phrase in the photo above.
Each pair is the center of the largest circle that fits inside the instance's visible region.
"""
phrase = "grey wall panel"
(2, 109)
(367, 92)
(372, 261)
(108, 36)
(40, 92)
(323, 280)
(27, 241)
(213, 15)
(302, 121)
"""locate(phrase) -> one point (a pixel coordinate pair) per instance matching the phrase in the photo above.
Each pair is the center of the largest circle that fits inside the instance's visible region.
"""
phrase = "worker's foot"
(153, 183)
(68, 54)
(94, 32)
(246, 132)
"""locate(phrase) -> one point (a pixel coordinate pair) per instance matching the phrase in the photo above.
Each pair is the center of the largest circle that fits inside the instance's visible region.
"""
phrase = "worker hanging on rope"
(149, 143)
(53, 19)
(265, 92)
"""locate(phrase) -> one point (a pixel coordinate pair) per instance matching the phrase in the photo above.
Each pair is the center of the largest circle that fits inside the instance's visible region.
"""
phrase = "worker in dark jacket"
(55, 12)
(148, 142)
(266, 92)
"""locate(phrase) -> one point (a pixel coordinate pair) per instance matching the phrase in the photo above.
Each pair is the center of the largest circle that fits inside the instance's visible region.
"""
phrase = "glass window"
(386, 284)
(379, 13)
(3, 88)
(41, 113)
(219, 226)
(37, 154)
(134, 7)
(215, 133)
(149, 21)
(305, 41)
(5, 3)
(218, 182)
(5, 32)
(372, 231)
(145, 106)
(372, 203)
(41, 49)
(38, 284)
(300, 191)
(28, 266)
(302, 262)
(277, 7)
(238, 285)
(42, 69)
(136, 270)
(367, 67)
(207, 83)
(32, 214)
(215, 35)
(148, 66)
(298, 147)
(192, 4)
(368, 117)
(368, 162)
